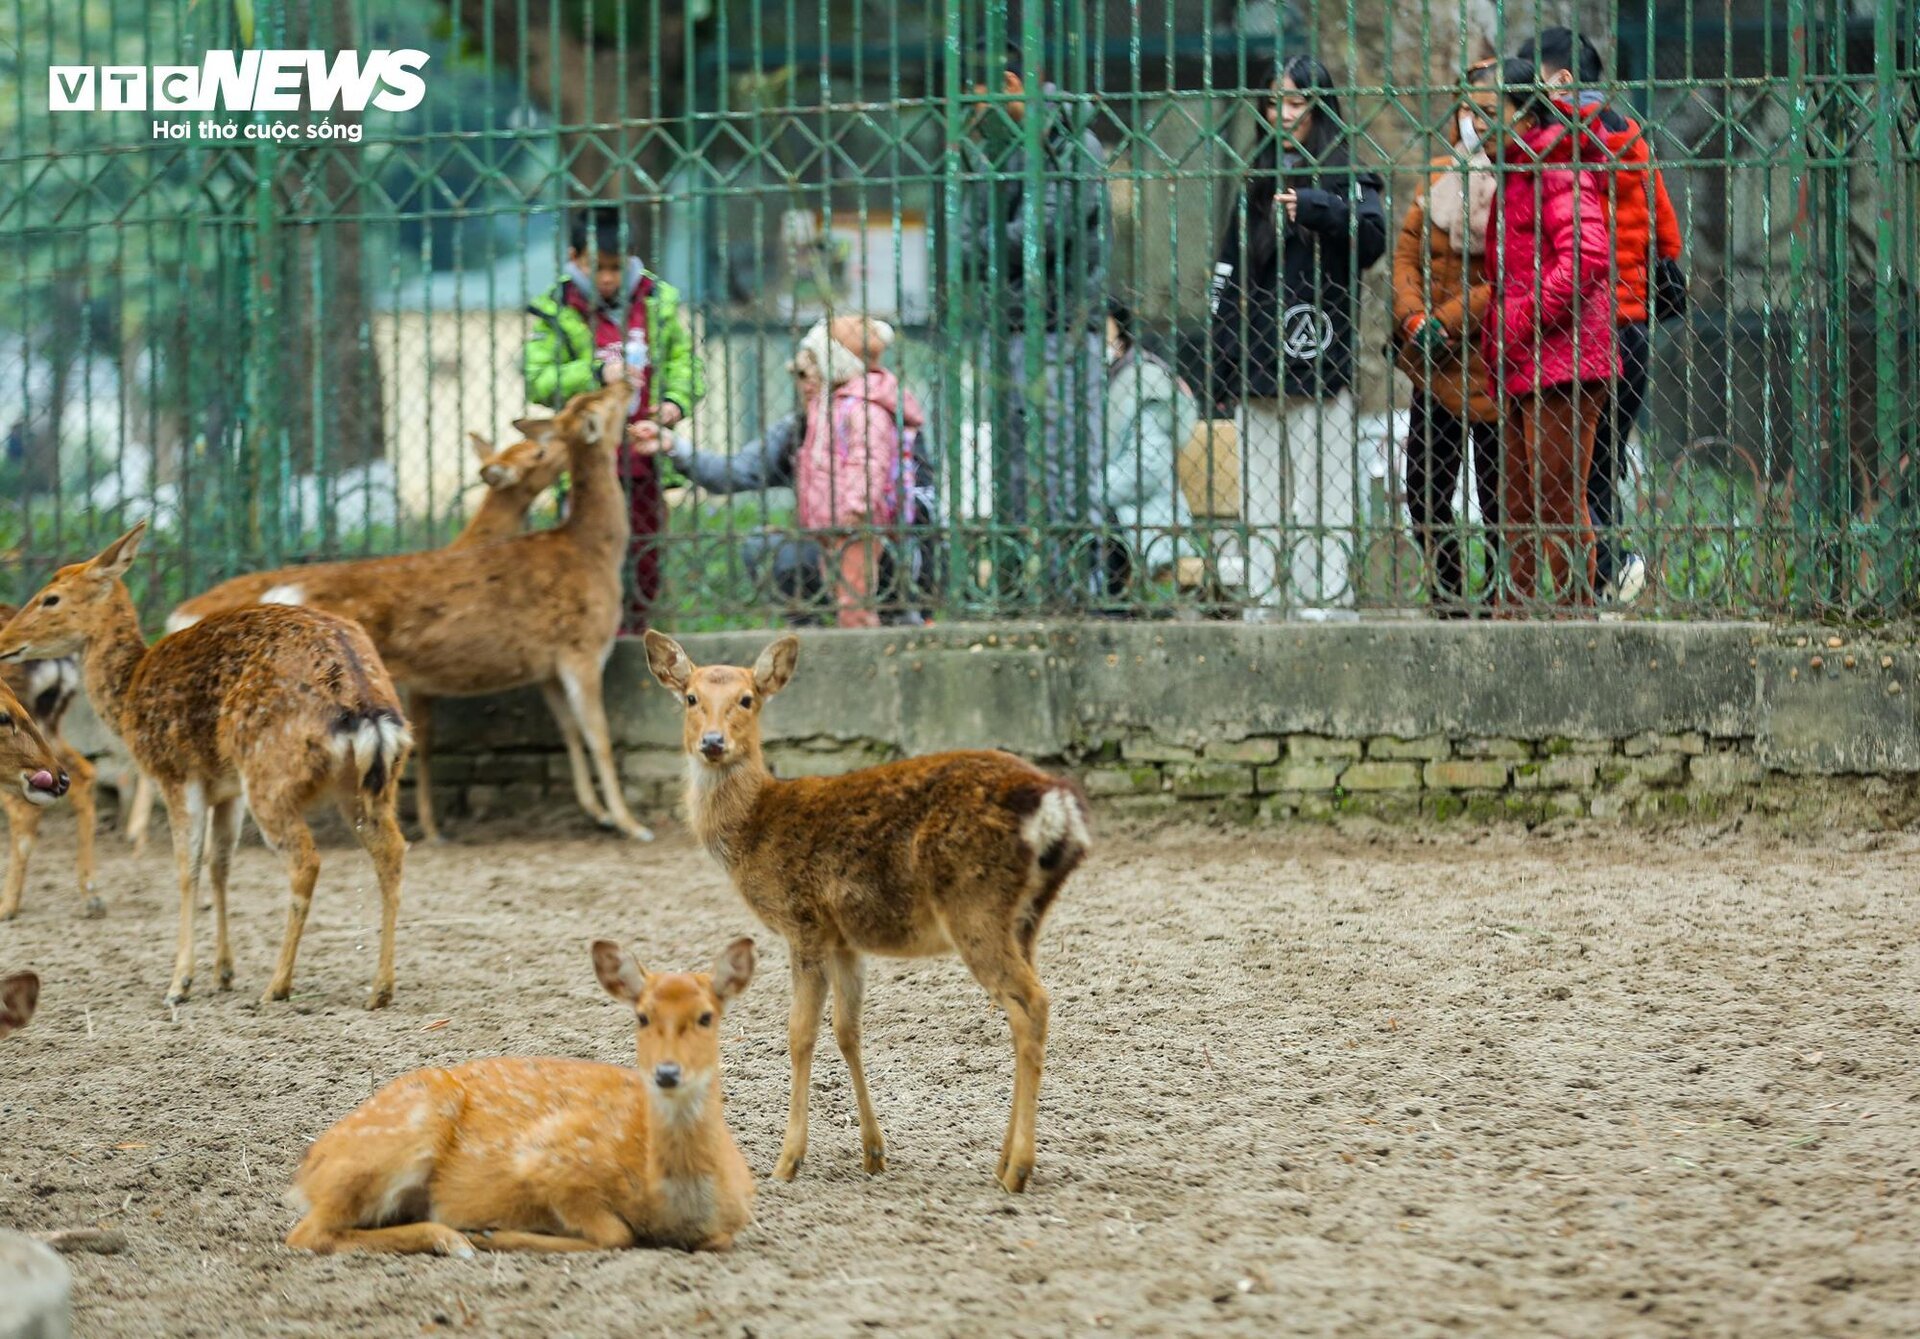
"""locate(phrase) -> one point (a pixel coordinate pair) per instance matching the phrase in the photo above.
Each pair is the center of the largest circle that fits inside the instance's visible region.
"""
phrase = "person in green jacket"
(608, 318)
(1150, 413)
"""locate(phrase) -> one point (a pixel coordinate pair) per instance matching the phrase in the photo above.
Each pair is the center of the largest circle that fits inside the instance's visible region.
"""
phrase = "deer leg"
(995, 958)
(187, 821)
(313, 1234)
(223, 834)
(844, 970)
(23, 829)
(589, 711)
(420, 721)
(556, 697)
(803, 1029)
(379, 833)
(81, 796)
(290, 835)
(599, 1230)
(140, 811)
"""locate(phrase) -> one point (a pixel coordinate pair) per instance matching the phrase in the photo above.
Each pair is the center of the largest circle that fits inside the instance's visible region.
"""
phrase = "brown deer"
(951, 853)
(19, 994)
(273, 707)
(540, 608)
(34, 698)
(547, 1155)
(515, 479)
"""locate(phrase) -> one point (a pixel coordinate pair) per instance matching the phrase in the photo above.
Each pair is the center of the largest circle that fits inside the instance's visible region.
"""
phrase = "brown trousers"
(1548, 456)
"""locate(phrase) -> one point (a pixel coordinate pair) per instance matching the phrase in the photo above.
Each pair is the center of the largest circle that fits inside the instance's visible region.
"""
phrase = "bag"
(1208, 467)
(1669, 290)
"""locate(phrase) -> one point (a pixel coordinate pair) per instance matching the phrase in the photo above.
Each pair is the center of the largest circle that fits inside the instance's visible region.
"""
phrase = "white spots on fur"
(180, 622)
(286, 594)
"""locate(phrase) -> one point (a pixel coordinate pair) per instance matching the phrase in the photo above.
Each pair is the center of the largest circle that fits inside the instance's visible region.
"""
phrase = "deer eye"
(640, 1019)
(50, 602)
(692, 701)
(746, 702)
(6, 721)
(706, 1019)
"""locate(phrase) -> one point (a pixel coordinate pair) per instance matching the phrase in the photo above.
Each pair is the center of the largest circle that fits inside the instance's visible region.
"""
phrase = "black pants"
(1610, 444)
(1437, 445)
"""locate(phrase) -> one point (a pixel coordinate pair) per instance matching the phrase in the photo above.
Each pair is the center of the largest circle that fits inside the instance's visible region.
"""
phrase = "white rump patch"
(1057, 818)
(288, 594)
(178, 621)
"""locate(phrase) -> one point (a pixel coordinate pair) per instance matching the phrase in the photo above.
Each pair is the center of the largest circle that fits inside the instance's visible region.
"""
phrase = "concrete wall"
(1399, 720)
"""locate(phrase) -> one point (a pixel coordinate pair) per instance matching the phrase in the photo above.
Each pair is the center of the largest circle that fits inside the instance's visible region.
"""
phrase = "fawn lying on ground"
(273, 707)
(540, 608)
(35, 770)
(515, 479)
(545, 1154)
(19, 994)
(951, 853)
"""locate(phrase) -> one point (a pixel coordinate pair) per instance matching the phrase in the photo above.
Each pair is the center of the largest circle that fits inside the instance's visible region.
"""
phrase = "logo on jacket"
(1306, 332)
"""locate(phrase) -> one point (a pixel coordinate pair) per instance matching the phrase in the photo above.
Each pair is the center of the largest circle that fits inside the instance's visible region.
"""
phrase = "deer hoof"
(382, 996)
(876, 1159)
(226, 976)
(93, 908)
(179, 992)
(639, 832)
(276, 993)
(1014, 1178)
(788, 1167)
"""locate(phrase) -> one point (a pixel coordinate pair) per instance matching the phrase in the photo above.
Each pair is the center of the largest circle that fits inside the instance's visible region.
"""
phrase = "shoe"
(1628, 584)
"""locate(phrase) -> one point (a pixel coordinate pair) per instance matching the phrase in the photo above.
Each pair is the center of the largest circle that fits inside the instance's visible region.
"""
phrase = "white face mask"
(1469, 132)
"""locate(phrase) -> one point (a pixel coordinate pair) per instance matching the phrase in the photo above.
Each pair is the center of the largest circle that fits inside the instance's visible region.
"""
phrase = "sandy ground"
(1316, 1083)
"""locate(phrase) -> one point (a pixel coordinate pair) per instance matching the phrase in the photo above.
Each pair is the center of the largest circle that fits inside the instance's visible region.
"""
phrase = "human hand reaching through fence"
(646, 437)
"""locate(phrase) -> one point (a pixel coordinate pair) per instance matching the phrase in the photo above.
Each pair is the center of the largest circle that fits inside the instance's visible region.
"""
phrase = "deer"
(547, 1155)
(273, 707)
(515, 479)
(48, 767)
(541, 608)
(19, 994)
(961, 852)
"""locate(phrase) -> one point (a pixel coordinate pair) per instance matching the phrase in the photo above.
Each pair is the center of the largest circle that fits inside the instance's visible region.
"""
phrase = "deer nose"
(667, 1074)
(713, 744)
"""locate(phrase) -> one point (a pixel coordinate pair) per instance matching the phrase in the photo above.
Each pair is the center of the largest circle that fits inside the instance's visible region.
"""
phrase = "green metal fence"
(275, 348)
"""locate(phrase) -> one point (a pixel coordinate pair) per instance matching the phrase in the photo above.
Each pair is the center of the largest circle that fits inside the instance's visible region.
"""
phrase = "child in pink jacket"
(1549, 335)
(849, 474)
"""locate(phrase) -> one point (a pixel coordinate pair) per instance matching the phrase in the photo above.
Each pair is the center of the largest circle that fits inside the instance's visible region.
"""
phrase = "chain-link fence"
(1175, 322)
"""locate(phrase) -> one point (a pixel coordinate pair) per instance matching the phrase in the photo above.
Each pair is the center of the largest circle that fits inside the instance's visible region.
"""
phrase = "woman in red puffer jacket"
(1548, 339)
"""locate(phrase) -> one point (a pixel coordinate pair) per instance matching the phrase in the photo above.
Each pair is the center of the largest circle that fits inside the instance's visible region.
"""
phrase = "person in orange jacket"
(1648, 281)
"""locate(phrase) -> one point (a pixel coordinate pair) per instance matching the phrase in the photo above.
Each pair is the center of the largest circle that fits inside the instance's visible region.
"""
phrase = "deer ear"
(482, 448)
(18, 996)
(538, 429)
(733, 969)
(775, 666)
(114, 560)
(668, 662)
(620, 976)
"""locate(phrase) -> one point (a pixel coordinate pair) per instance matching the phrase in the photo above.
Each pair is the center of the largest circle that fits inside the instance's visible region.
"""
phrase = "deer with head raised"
(35, 770)
(515, 478)
(272, 707)
(538, 608)
(524, 1154)
(958, 852)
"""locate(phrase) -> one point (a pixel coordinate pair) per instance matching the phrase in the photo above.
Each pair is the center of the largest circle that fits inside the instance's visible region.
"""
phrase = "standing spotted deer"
(951, 853)
(515, 478)
(34, 698)
(539, 608)
(272, 707)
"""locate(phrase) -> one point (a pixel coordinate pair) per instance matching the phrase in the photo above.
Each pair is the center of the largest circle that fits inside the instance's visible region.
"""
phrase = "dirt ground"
(1364, 1082)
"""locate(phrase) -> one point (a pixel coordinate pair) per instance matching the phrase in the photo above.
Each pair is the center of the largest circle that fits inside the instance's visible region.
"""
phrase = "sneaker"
(1628, 584)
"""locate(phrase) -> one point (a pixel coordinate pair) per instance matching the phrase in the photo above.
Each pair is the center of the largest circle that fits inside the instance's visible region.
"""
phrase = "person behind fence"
(1648, 281)
(1548, 335)
(838, 459)
(1307, 223)
(610, 317)
(1150, 413)
(1053, 313)
(1440, 296)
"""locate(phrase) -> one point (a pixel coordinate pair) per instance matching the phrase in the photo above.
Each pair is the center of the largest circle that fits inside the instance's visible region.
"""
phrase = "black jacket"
(1282, 297)
(1069, 216)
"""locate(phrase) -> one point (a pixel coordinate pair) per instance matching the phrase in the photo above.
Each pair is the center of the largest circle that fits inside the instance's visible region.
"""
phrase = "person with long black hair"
(1307, 223)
